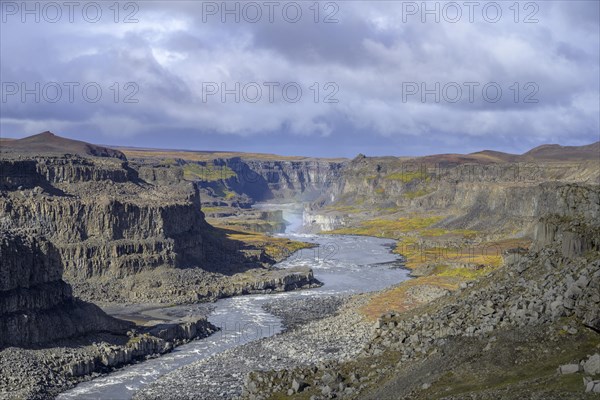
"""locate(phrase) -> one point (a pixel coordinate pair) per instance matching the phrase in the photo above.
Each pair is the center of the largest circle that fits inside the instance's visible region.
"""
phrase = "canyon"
(498, 244)
(127, 231)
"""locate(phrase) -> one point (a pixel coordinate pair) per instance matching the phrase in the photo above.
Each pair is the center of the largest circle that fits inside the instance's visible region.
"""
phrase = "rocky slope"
(50, 340)
(526, 330)
(322, 329)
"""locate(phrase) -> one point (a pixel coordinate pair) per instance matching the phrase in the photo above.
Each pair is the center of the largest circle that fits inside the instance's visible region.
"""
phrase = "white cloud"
(170, 53)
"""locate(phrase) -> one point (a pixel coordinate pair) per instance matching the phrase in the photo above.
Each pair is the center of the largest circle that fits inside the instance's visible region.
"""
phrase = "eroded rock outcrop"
(50, 340)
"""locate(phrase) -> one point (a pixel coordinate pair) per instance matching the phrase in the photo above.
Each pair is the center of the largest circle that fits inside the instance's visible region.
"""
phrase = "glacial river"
(345, 264)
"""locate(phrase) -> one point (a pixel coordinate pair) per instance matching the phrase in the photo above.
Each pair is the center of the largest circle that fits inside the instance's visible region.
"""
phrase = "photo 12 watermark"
(269, 91)
(490, 12)
(410, 172)
(69, 92)
(253, 12)
(53, 12)
(472, 92)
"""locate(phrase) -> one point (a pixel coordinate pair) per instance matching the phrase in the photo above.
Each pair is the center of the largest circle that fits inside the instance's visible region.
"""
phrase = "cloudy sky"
(305, 78)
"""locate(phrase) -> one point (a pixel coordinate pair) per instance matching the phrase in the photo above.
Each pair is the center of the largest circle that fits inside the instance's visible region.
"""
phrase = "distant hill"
(556, 152)
(49, 143)
(546, 152)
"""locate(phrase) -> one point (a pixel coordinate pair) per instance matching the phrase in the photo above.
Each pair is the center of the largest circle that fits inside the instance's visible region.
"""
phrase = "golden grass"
(343, 208)
(275, 247)
(446, 273)
(415, 194)
(208, 155)
(207, 173)
(408, 176)
(488, 254)
(399, 300)
(209, 210)
(392, 228)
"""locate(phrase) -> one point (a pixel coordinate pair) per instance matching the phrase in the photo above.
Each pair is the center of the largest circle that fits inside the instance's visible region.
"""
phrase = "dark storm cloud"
(373, 55)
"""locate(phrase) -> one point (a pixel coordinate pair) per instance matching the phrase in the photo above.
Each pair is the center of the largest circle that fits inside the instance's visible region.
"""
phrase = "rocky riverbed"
(304, 310)
(525, 331)
(320, 329)
(41, 372)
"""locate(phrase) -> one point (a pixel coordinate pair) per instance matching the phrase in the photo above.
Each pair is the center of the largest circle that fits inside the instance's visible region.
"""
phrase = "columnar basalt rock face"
(103, 219)
(36, 305)
(164, 174)
(41, 171)
(569, 219)
(498, 197)
(292, 178)
(277, 179)
(124, 231)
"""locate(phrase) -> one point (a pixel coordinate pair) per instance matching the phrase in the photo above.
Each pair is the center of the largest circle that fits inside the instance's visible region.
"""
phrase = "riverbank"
(526, 330)
(351, 265)
(45, 371)
(321, 329)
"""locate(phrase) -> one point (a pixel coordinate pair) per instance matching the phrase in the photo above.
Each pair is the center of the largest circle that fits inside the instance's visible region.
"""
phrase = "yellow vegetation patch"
(447, 272)
(217, 209)
(399, 299)
(392, 228)
(466, 233)
(463, 273)
(415, 194)
(488, 254)
(276, 247)
(207, 173)
(408, 176)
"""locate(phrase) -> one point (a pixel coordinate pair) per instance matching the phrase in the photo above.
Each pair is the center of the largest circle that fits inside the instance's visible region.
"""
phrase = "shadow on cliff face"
(23, 174)
(228, 256)
(245, 181)
(36, 305)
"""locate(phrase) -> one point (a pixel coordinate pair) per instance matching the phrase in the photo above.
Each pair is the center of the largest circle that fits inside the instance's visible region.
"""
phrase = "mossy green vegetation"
(275, 247)
(392, 228)
(206, 173)
(415, 193)
(212, 210)
(468, 274)
(408, 176)
(536, 374)
(343, 208)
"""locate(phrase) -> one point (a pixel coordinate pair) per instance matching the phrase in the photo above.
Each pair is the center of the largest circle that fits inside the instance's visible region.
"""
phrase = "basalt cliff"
(50, 340)
(131, 232)
(36, 305)
(497, 192)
